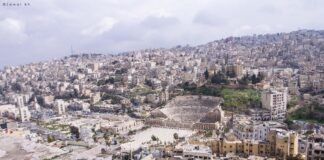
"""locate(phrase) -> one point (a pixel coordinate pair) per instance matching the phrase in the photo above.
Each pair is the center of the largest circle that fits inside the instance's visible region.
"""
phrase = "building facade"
(60, 106)
(279, 144)
(315, 147)
(275, 100)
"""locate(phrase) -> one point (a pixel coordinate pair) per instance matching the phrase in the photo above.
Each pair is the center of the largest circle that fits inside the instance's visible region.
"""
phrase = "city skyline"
(46, 30)
(162, 80)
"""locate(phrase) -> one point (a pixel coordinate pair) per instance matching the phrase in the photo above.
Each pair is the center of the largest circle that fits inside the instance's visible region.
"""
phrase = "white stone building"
(254, 130)
(60, 106)
(315, 147)
(197, 152)
(24, 114)
(275, 100)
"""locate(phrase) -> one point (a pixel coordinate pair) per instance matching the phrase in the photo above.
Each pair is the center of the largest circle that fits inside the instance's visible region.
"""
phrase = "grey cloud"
(208, 18)
(270, 9)
(159, 22)
(48, 29)
(125, 32)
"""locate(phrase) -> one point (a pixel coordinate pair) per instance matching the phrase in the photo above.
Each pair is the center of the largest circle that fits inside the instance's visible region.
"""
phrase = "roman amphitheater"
(191, 112)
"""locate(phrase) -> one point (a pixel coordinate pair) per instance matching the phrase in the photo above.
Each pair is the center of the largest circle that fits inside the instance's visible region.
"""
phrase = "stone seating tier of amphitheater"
(206, 101)
(191, 109)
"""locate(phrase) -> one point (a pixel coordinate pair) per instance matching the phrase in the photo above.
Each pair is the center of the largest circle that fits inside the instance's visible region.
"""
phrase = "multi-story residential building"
(284, 142)
(260, 114)
(48, 99)
(275, 100)
(122, 127)
(95, 98)
(60, 106)
(254, 130)
(20, 101)
(36, 106)
(315, 147)
(9, 111)
(24, 114)
(279, 144)
(236, 70)
(191, 152)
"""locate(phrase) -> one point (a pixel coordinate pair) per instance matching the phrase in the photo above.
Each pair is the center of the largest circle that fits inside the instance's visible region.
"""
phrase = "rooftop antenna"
(72, 50)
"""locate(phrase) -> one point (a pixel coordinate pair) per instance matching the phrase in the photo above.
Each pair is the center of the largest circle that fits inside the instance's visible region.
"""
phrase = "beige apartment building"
(275, 100)
(279, 144)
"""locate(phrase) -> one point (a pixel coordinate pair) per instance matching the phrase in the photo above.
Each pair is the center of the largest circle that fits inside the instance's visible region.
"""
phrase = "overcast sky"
(48, 28)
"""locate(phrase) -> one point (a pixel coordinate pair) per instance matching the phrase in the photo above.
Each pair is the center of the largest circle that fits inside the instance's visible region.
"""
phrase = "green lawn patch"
(240, 99)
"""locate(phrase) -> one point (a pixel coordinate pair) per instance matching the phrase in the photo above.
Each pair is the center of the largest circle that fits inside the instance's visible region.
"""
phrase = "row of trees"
(114, 98)
(219, 78)
(101, 82)
(226, 74)
(254, 79)
(222, 78)
(121, 71)
(310, 112)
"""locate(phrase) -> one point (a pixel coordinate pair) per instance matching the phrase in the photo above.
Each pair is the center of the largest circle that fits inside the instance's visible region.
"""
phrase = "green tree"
(94, 137)
(75, 131)
(16, 87)
(260, 77)
(219, 78)
(231, 74)
(148, 83)
(154, 138)
(206, 74)
(175, 136)
(208, 134)
(121, 71)
(254, 79)
(185, 69)
(41, 101)
(50, 138)
(244, 80)
(1, 90)
(103, 151)
(111, 80)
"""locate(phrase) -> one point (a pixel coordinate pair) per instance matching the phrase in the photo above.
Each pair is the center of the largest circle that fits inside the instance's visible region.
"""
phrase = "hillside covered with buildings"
(240, 97)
